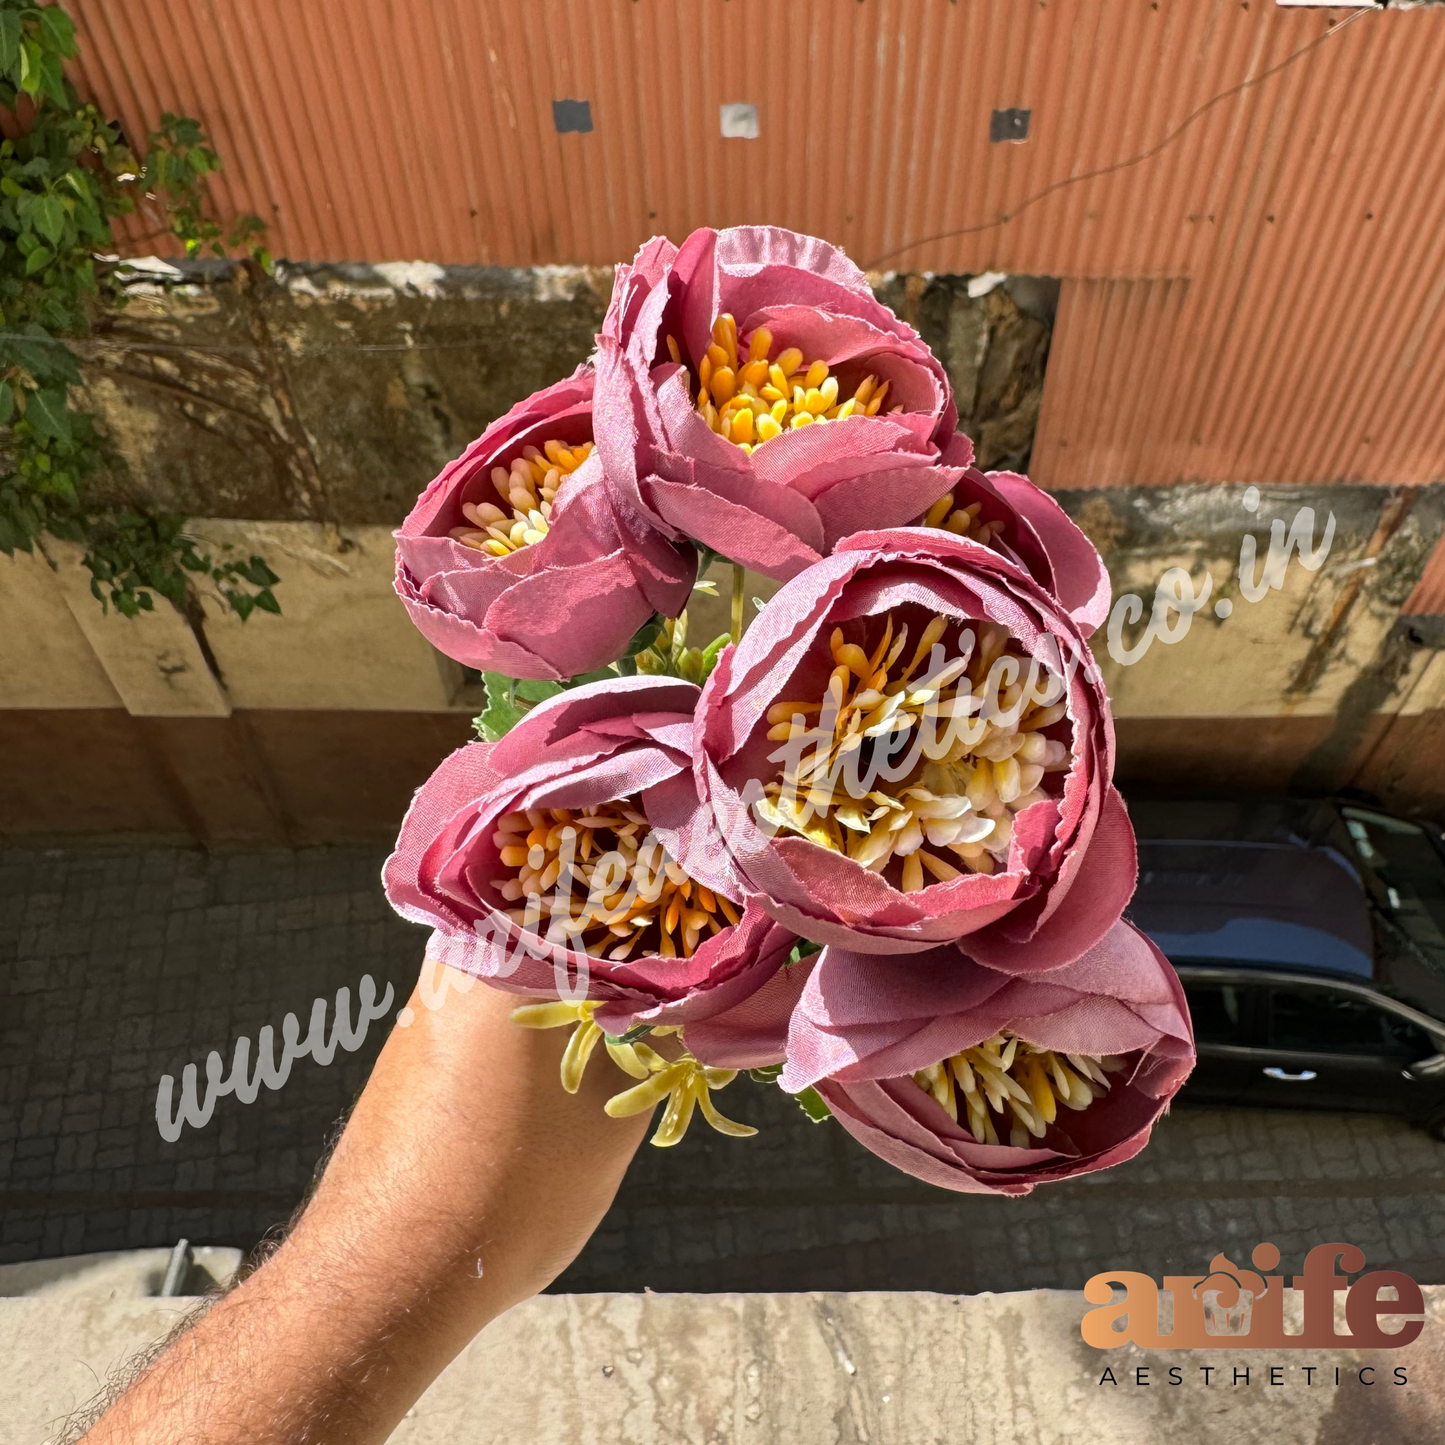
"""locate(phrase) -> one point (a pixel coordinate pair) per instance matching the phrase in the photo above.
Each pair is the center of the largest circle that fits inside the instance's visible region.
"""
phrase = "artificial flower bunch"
(867, 847)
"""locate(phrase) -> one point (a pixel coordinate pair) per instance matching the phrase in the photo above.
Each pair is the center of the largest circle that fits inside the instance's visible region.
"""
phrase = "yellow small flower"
(685, 1082)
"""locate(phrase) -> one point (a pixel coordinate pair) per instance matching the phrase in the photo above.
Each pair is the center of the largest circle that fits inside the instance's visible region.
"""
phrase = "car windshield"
(1267, 903)
(1406, 876)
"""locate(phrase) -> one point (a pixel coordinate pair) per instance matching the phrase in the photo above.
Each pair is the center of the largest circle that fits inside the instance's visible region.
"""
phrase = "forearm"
(464, 1182)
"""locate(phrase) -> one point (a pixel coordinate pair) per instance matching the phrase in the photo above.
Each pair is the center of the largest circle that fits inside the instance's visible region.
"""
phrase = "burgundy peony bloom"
(911, 746)
(547, 862)
(989, 1082)
(753, 394)
(518, 558)
(1009, 513)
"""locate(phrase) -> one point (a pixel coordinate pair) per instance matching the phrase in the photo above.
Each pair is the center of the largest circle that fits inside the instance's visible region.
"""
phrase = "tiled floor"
(119, 965)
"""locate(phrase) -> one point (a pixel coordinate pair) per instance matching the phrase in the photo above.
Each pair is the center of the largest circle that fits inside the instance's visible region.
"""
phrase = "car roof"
(1251, 883)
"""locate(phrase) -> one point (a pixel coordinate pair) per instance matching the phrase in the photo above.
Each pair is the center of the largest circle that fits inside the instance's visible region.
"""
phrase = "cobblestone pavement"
(118, 966)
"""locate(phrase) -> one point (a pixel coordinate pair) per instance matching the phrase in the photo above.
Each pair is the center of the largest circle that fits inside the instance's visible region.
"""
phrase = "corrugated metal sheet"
(1428, 598)
(1304, 212)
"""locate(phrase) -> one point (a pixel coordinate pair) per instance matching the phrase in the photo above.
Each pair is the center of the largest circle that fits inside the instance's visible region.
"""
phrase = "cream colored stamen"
(971, 776)
(1007, 1080)
(751, 397)
(600, 881)
(684, 1082)
(529, 488)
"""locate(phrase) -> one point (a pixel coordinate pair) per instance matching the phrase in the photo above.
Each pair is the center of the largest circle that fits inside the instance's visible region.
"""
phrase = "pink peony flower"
(518, 558)
(753, 394)
(1009, 513)
(912, 745)
(989, 1082)
(547, 862)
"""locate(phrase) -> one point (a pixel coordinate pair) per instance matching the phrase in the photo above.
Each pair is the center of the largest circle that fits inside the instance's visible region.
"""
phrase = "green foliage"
(508, 701)
(812, 1103)
(637, 1031)
(642, 640)
(65, 176)
(132, 554)
(668, 655)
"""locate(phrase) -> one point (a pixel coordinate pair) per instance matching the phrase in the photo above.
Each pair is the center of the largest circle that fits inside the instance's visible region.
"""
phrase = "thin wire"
(1122, 165)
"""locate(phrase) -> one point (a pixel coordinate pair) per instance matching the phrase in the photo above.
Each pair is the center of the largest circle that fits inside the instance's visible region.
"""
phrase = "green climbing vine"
(66, 176)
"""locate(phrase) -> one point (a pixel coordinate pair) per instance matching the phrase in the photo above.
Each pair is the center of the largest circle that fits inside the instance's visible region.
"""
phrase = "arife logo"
(1261, 1326)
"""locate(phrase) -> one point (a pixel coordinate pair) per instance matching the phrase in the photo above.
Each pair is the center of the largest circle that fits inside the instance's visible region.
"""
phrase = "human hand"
(465, 1181)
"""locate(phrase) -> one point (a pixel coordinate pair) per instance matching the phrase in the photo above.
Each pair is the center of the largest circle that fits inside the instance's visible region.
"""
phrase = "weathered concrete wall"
(1320, 684)
(890, 1369)
(335, 393)
(299, 417)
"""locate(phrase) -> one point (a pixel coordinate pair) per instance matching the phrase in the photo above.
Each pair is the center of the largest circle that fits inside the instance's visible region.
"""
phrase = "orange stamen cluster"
(599, 880)
(751, 397)
(529, 488)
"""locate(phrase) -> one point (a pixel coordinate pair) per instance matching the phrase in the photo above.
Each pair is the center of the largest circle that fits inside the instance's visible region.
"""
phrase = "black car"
(1310, 939)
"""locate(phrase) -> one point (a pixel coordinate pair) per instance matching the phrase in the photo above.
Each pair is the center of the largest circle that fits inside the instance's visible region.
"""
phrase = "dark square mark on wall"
(1004, 125)
(572, 115)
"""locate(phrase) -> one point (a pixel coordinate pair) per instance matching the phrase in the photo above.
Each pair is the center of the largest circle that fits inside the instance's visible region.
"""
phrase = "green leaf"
(712, 652)
(52, 80)
(804, 948)
(810, 1101)
(48, 216)
(501, 714)
(642, 639)
(637, 1031)
(60, 484)
(10, 31)
(258, 574)
(535, 692)
(38, 260)
(767, 1074)
(7, 403)
(59, 30)
(266, 601)
(30, 76)
(45, 411)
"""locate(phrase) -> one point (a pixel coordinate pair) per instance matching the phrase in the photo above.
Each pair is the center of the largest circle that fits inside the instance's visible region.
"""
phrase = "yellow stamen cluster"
(1008, 1080)
(751, 397)
(600, 881)
(969, 779)
(961, 521)
(684, 1082)
(529, 488)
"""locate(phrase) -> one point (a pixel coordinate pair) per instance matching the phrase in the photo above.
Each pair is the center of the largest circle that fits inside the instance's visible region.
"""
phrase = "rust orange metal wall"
(1259, 300)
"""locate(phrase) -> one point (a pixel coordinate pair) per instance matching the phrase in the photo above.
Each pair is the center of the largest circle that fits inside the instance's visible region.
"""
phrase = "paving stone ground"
(119, 965)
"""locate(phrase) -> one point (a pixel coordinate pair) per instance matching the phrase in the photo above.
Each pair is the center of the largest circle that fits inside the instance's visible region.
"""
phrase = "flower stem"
(737, 627)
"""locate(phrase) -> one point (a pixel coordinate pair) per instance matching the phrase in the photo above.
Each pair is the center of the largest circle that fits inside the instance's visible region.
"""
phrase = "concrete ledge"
(119, 1274)
(795, 1369)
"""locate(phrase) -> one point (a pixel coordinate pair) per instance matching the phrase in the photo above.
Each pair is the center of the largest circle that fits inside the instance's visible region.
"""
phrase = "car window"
(1322, 1021)
(1409, 875)
(1220, 1012)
